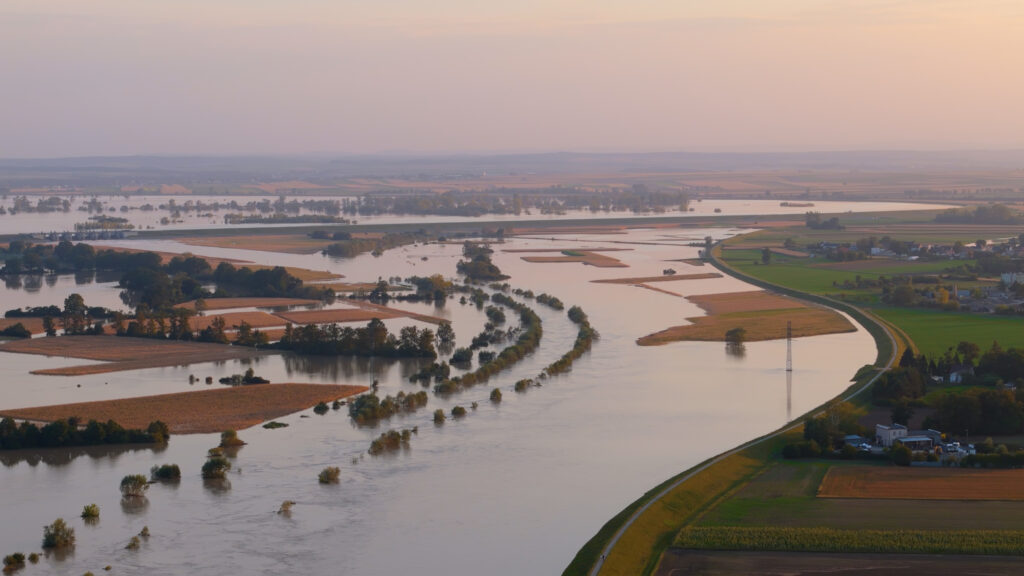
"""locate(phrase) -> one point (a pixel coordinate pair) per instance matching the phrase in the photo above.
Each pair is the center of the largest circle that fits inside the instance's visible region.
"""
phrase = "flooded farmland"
(513, 488)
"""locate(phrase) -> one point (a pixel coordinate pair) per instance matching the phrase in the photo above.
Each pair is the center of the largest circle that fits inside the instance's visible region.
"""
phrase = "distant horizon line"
(497, 154)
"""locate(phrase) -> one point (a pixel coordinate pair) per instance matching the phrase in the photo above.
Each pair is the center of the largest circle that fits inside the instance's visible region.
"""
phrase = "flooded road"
(513, 489)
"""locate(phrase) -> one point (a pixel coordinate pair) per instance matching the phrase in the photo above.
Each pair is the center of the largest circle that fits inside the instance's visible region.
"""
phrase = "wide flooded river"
(512, 489)
(148, 212)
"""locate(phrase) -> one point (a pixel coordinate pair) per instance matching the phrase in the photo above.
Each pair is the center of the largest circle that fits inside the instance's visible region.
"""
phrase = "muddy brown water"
(515, 488)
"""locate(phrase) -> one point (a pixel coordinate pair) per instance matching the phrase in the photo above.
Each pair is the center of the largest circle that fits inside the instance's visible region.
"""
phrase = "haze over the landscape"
(112, 77)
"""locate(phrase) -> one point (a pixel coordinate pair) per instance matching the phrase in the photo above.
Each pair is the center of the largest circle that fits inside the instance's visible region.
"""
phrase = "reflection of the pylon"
(789, 395)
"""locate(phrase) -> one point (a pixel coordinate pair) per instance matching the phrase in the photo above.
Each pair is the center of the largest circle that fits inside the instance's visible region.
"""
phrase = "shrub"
(321, 408)
(286, 506)
(496, 395)
(274, 425)
(33, 557)
(133, 544)
(458, 412)
(90, 511)
(229, 438)
(216, 467)
(330, 475)
(901, 455)
(58, 535)
(165, 472)
(522, 385)
(439, 416)
(14, 561)
(134, 486)
(144, 533)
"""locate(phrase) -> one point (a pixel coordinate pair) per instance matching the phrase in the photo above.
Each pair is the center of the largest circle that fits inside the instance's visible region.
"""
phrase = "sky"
(227, 77)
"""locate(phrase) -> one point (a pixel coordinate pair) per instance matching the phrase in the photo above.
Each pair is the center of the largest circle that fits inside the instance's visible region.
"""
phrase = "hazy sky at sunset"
(105, 77)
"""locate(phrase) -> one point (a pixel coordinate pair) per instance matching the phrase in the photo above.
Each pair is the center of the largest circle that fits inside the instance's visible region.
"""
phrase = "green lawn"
(934, 331)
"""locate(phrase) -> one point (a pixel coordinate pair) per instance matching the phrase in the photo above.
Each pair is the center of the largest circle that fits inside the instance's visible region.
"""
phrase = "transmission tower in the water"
(789, 371)
(789, 346)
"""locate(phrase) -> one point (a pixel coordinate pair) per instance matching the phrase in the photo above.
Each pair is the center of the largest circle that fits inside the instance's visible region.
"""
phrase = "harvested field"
(200, 412)
(33, 325)
(587, 258)
(358, 286)
(743, 302)
(414, 315)
(233, 320)
(665, 278)
(166, 257)
(174, 189)
(922, 484)
(759, 325)
(122, 353)
(680, 562)
(538, 250)
(336, 315)
(286, 243)
(287, 186)
(228, 303)
(304, 274)
(362, 311)
(656, 289)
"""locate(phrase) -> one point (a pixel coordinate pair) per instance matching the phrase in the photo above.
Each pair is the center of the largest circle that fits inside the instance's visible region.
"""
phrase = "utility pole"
(789, 370)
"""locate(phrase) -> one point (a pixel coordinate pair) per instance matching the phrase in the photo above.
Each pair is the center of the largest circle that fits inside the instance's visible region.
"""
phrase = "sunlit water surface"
(513, 489)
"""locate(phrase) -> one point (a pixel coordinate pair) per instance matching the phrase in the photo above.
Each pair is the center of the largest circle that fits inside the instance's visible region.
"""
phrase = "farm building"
(916, 443)
(887, 435)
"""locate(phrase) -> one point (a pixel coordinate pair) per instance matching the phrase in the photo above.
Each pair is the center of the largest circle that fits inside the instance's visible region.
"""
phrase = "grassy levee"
(648, 526)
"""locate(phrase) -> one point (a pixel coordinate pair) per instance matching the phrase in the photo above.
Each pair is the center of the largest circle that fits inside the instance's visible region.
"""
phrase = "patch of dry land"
(664, 278)
(361, 312)
(287, 243)
(200, 412)
(336, 315)
(33, 325)
(228, 303)
(922, 483)
(763, 315)
(234, 320)
(587, 257)
(120, 353)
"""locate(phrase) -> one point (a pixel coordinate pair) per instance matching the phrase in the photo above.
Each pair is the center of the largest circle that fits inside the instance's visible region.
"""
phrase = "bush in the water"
(58, 535)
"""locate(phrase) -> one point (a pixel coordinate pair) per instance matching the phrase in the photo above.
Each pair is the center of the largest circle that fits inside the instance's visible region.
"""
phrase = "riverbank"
(632, 542)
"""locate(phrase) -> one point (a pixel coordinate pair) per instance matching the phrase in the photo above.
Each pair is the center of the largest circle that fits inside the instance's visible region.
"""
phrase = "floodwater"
(189, 219)
(513, 489)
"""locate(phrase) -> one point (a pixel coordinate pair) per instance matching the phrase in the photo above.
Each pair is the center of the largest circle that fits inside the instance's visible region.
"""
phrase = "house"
(887, 435)
(854, 440)
(960, 373)
(917, 443)
(1011, 278)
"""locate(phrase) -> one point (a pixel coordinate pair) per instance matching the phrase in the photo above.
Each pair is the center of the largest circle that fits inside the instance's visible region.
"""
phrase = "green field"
(933, 331)
(785, 496)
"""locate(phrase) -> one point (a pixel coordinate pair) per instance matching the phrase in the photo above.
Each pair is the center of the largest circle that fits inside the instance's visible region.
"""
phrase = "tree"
(75, 316)
(48, 326)
(445, 333)
(766, 255)
(969, 351)
(736, 335)
(216, 468)
(902, 412)
(58, 535)
(330, 475)
(134, 486)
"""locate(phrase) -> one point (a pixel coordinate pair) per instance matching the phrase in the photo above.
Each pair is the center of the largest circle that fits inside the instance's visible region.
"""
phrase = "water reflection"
(134, 505)
(84, 277)
(64, 456)
(32, 282)
(735, 350)
(218, 486)
(338, 368)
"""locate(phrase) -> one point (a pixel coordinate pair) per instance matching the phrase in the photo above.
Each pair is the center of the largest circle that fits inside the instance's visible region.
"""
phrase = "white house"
(887, 435)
